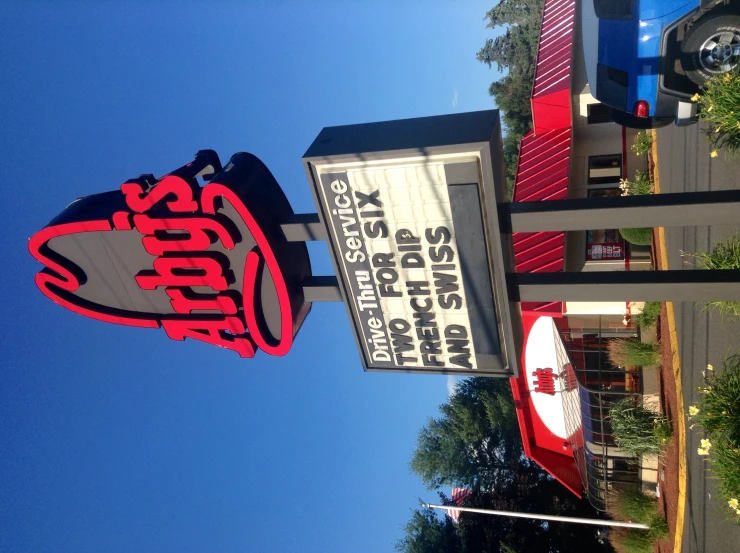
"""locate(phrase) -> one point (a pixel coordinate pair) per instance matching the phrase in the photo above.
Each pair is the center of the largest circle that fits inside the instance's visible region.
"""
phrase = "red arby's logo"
(208, 263)
(544, 381)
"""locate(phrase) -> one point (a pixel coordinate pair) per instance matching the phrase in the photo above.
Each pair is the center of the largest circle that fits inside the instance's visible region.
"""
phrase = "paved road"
(685, 165)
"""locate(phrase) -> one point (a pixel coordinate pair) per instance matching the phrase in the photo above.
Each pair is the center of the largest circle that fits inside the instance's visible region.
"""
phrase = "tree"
(513, 51)
(474, 442)
(427, 533)
(531, 491)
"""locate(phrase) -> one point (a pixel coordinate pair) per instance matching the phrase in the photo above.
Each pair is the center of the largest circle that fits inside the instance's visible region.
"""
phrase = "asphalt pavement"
(685, 165)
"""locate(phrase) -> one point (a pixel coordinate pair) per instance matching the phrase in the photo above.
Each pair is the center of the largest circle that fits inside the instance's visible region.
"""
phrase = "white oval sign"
(543, 380)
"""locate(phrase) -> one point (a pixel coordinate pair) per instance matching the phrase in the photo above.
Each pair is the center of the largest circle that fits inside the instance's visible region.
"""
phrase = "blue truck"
(645, 59)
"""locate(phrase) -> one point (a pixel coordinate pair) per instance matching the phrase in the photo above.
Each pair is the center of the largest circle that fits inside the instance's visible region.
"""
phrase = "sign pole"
(534, 516)
(720, 207)
(672, 285)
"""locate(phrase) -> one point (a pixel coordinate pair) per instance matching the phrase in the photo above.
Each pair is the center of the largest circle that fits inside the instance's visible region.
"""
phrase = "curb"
(681, 415)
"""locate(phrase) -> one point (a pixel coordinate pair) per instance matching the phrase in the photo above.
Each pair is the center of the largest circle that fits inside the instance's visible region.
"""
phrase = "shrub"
(724, 255)
(719, 108)
(631, 352)
(641, 186)
(637, 236)
(649, 315)
(632, 504)
(643, 142)
(718, 413)
(637, 430)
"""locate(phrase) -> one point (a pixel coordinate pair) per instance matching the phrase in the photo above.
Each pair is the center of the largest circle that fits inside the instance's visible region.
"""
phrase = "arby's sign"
(546, 363)
(207, 263)
(215, 254)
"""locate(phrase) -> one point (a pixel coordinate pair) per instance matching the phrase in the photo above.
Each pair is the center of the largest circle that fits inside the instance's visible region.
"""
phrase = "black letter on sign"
(368, 199)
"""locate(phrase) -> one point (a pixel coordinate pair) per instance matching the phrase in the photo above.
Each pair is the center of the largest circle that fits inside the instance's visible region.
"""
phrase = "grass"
(640, 186)
(631, 352)
(718, 414)
(632, 504)
(643, 142)
(724, 255)
(649, 315)
(639, 431)
(719, 108)
(637, 236)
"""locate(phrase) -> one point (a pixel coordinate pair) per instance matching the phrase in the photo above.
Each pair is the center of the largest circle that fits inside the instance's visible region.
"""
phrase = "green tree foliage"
(530, 491)
(513, 50)
(428, 533)
(475, 440)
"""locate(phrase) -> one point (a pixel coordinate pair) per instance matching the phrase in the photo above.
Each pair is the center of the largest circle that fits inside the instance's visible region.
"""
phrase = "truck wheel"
(711, 47)
(630, 121)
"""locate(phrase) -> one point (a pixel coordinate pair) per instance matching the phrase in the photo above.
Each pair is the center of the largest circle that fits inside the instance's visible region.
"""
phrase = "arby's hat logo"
(207, 263)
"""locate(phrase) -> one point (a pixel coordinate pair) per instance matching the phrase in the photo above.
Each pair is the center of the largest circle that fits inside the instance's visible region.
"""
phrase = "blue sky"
(118, 440)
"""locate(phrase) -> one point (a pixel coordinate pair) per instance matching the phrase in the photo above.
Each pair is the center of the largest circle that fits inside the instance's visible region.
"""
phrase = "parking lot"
(685, 165)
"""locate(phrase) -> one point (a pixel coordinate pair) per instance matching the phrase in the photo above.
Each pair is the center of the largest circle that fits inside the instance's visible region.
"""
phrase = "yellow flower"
(695, 97)
(724, 412)
(693, 410)
(710, 367)
(702, 451)
(727, 77)
(710, 108)
(733, 503)
(713, 153)
(706, 444)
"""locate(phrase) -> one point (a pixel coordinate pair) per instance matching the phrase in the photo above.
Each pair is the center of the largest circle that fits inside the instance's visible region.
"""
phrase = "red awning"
(542, 174)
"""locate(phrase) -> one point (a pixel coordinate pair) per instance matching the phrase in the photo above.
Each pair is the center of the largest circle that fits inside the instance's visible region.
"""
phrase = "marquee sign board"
(410, 211)
(207, 263)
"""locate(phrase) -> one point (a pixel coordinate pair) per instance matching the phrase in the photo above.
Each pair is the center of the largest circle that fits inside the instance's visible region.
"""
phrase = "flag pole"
(554, 518)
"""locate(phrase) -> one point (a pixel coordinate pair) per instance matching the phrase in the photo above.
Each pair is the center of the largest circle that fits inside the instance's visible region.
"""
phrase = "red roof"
(551, 90)
(544, 153)
(543, 173)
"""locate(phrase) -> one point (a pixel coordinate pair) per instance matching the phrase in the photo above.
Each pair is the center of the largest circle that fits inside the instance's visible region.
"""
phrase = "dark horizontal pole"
(716, 207)
(303, 227)
(674, 285)
(321, 288)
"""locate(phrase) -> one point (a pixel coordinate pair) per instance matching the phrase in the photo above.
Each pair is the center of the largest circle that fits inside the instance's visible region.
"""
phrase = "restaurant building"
(567, 382)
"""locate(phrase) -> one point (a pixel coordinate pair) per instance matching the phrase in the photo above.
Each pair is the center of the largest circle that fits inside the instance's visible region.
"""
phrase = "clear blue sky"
(170, 446)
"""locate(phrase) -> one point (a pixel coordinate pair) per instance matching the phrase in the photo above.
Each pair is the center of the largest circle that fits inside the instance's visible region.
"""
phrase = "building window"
(605, 169)
(598, 113)
(605, 244)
